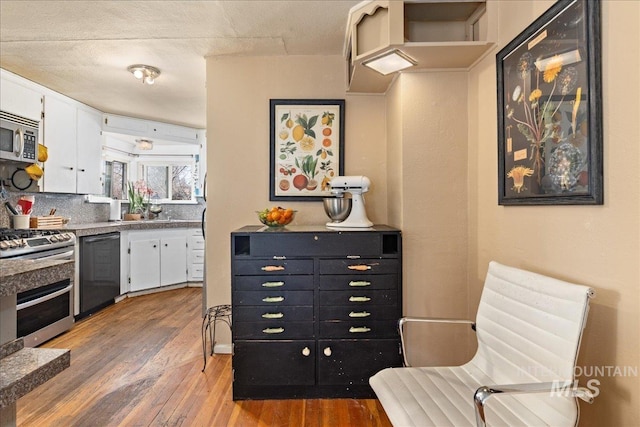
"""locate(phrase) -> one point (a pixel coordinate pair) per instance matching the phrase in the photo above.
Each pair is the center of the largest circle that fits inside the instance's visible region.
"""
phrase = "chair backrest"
(529, 326)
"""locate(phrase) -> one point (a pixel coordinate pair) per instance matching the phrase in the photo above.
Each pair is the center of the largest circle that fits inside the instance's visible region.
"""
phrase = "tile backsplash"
(79, 211)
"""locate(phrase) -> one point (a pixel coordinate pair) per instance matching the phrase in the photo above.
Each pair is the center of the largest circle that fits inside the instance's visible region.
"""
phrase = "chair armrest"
(404, 320)
(560, 388)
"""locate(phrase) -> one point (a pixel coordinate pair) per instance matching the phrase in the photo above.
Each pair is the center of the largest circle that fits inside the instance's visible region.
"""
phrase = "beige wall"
(594, 245)
(238, 93)
(429, 147)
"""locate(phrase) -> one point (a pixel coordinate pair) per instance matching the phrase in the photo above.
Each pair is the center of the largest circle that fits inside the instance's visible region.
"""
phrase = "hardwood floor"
(137, 363)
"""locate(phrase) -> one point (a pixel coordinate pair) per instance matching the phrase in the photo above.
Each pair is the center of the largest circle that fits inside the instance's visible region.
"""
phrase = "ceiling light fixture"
(144, 144)
(390, 62)
(146, 73)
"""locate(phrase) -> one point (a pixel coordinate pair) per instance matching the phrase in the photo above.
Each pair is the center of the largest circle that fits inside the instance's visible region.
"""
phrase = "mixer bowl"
(337, 208)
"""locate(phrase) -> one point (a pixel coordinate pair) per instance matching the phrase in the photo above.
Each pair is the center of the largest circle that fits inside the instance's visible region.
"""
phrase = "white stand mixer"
(356, 186)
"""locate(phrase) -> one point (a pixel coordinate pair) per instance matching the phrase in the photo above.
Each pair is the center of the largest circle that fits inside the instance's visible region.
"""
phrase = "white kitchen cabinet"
(144, 264)
(89, 152)
(19, 99)
(72, 135)
(60, 138)
(130, 126)
(195, 256)
(173, 260)
(156, 258)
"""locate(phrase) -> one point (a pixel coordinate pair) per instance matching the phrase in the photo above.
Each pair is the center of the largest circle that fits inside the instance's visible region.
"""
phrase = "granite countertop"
(94, 228)
(24, 274)
(24, 369)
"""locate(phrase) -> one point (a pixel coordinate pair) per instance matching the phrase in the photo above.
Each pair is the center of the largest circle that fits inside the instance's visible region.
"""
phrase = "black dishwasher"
(99, 272)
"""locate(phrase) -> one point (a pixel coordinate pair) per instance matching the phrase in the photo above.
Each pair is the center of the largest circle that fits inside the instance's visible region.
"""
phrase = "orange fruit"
(326, 131)
(275, 215)
(288, 213)
(269, 217)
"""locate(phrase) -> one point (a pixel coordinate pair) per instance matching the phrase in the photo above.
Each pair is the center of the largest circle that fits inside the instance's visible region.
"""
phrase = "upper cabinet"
(121, 125)
(72, 134)
(19, 99)
(434, 34)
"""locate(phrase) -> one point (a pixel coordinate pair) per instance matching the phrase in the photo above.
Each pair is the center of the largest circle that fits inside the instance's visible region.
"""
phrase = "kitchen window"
(170, 182)
(115, 179)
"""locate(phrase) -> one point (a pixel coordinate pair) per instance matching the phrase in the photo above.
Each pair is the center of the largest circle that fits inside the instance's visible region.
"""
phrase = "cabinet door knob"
(155, 246)
(327, 351)
(306, 352)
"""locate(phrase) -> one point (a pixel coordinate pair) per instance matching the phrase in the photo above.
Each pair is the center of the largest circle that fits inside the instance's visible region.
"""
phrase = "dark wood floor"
(138, 363)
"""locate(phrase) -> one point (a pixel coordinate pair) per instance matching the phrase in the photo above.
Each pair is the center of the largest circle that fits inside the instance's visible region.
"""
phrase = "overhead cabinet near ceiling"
(435, 34)
(72, 135)
(18, 99)
(121, 125)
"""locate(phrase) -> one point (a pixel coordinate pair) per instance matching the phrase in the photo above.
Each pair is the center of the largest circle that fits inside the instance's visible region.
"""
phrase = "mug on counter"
(21, 221)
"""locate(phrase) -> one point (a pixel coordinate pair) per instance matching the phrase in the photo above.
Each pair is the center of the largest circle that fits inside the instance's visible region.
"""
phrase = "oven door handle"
(45, 297)
(63, 255)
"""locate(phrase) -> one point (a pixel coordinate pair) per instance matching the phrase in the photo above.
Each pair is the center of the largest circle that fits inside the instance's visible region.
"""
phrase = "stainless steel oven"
(47, 311)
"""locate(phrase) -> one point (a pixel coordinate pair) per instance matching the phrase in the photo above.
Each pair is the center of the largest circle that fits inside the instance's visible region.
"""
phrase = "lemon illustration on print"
(297, 133)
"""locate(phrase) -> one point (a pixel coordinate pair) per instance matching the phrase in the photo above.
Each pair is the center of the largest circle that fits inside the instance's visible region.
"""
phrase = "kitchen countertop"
(22, 275)
(94, 228)
(24, 369)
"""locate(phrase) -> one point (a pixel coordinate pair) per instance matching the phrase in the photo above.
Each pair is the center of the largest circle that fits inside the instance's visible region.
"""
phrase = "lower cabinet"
(314, 311)
(157, 261)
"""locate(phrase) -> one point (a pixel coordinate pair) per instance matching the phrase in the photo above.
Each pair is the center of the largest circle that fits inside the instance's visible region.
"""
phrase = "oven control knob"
(64, 237)
(23, 243)
(4, 245)
(13, 243)
(53, 239)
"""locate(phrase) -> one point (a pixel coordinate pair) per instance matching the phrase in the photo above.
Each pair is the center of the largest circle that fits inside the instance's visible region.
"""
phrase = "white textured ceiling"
(83, 48)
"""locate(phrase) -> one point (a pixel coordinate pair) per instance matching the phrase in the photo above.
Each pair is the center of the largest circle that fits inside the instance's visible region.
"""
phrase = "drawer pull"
(359, 314)
(359, 299)
(272, 299)
(273, 330)
(359, 267)
(272, 268)
(353, 256)
(306, 352)
(272, 284)
(272, 316)
(362, 329)
(279, 257)
(355, 283)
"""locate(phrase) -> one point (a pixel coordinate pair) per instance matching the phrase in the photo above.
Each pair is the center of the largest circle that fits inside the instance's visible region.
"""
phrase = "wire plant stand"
(213, 315)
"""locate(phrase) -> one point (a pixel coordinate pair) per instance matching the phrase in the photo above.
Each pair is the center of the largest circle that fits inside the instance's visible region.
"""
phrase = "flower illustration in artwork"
(517, 173)
(535, 114)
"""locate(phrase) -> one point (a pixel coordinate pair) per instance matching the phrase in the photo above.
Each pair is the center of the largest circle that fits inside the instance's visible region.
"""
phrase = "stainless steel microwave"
(18, 138)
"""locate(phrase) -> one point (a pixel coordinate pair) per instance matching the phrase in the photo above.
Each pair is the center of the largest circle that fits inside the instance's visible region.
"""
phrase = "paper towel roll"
(114, 210)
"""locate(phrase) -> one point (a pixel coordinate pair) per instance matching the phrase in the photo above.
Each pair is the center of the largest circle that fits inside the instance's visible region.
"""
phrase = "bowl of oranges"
(276, 216)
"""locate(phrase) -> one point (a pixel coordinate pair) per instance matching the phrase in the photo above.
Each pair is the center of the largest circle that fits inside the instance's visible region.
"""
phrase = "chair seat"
(443, 396)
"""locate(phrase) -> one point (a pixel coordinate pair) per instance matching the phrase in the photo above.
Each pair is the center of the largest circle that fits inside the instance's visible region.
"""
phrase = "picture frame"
(550, 109)
(306, 147)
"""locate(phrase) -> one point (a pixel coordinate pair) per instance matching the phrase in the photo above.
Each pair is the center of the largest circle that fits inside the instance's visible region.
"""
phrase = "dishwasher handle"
(101, 237)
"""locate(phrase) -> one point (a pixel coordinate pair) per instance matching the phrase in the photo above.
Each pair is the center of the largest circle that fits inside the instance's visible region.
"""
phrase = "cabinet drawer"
(197, 256)
(261, 283)
(196, 271)
(272, 267)
(316, 244)
(272, 298)
(274, 363)
(353, 281)
(358, 266)
(273, 330)
(196, 243)
(357, 297)
(362, 313)
(269, 314)
(361, 329)
(346, 364)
